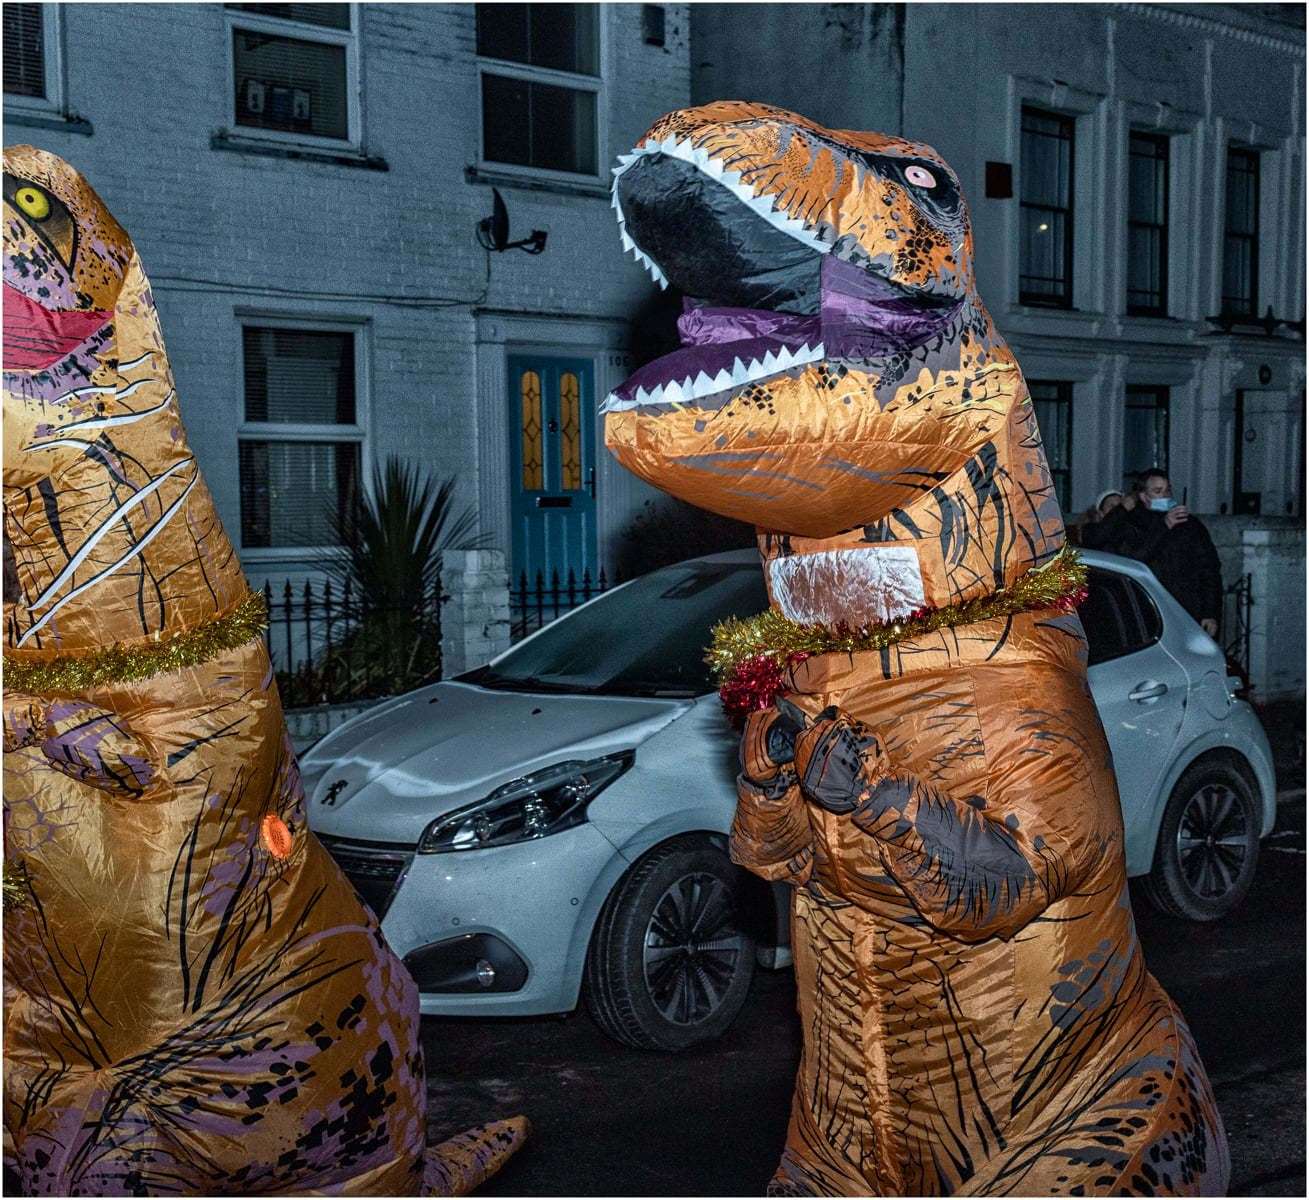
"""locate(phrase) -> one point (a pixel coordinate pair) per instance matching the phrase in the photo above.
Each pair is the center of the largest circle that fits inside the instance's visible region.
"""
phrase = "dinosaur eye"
(32, 202)
(920, 176)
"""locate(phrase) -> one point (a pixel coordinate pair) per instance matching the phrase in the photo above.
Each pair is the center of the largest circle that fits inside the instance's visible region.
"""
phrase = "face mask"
(1162, 503)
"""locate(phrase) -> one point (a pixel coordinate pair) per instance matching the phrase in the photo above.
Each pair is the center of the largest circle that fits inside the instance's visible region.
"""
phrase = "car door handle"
(1147, 690)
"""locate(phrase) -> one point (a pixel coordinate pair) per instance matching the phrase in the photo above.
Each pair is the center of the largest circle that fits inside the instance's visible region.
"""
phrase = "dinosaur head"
(834, 347)
(64, 261)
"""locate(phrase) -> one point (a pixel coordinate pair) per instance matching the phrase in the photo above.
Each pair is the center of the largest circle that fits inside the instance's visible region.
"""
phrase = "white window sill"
(23, 112)
(507, 177)
(347, 156)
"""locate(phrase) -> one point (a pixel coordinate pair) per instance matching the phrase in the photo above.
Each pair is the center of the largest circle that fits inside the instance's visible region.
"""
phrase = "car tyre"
(670, 961)
(1208, 843)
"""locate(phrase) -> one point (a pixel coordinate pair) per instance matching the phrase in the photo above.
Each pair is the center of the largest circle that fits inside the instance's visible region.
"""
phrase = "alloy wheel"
(1212, 841)
(691, 948)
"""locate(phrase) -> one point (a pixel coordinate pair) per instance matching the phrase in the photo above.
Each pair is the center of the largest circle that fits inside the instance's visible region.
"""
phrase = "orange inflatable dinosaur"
(195, 1002)
(932, 778)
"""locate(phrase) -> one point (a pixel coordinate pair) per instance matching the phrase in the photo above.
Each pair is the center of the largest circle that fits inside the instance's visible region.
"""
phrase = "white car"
(556, 821)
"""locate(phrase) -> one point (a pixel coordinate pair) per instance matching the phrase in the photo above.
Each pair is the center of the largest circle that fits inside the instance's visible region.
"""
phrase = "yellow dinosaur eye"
(32, 202)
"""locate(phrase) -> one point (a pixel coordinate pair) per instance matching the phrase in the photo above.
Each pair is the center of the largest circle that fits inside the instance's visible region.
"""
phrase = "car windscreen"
(647, 638)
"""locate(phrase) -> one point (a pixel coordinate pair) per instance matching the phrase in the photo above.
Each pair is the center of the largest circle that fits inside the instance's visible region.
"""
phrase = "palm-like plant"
(388, 562)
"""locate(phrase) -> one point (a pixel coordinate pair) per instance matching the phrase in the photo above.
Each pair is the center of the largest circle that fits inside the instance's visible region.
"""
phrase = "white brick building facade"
(228, 234)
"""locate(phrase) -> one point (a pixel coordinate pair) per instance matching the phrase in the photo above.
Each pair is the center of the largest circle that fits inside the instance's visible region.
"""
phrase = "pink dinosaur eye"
(920, 176)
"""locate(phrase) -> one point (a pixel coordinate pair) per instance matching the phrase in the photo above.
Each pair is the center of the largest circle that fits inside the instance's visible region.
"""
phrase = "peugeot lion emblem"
(333, 792)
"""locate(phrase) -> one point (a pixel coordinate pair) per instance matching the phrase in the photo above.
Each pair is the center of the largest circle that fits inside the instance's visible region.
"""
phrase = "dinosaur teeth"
(687, 390)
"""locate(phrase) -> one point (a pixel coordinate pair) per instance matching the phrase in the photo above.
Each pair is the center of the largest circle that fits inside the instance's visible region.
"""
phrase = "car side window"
(1118, 615)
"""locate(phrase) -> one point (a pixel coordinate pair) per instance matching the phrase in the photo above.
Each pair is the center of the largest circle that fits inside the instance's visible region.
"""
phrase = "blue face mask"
(1162, 503)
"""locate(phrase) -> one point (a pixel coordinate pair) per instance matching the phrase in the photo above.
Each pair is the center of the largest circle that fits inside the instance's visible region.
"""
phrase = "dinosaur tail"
(467, 1160)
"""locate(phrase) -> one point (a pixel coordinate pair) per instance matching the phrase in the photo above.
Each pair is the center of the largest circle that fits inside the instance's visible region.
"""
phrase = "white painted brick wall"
(153, 81)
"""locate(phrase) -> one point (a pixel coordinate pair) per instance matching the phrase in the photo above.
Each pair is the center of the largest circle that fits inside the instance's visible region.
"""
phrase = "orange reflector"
(276, 836)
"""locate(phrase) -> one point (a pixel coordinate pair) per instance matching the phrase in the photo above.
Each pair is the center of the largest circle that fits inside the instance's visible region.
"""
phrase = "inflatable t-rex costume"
(935, 781)
(195, 1000)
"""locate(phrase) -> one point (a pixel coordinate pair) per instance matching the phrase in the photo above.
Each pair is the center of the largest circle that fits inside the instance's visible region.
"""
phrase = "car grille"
(373, 870)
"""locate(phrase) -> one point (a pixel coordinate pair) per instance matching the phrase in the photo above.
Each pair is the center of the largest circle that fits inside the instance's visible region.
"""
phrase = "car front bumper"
(526, 911)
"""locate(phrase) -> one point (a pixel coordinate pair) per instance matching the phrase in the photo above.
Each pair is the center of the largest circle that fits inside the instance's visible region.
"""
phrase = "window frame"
(52, 52)
(236, 20)
(1252, 155)
(1164, 142)
(1038, 299)
(1160, 392)
(573, 81)
(1064, 399)
(286, 431)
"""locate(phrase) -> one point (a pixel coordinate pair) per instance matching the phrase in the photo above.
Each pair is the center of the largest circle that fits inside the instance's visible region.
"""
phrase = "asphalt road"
(616, 1122)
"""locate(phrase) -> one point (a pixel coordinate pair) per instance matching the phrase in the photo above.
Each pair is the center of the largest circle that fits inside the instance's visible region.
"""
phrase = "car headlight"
(545, 802)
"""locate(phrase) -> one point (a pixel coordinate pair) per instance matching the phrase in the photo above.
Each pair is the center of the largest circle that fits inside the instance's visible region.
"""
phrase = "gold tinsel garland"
(133, 662)
(15, 885)
(1058, 584)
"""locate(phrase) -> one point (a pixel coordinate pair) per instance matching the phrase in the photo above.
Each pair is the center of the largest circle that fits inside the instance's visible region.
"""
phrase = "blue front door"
(553, 469)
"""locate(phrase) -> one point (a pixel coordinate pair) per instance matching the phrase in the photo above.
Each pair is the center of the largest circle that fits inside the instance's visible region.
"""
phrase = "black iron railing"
(328, 647)
(1237, 601)
(537, 602)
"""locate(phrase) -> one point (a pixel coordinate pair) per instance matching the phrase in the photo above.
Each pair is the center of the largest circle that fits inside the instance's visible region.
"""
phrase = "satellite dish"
(498, 222)
(493, 231)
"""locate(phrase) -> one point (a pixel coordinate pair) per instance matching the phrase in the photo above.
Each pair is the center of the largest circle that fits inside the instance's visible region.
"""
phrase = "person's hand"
(1175, 516)
(1210, 626)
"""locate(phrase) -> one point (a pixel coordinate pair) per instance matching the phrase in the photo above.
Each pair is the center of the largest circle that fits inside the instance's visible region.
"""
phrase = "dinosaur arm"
(84, 742)
(771, 836)
(971, 867)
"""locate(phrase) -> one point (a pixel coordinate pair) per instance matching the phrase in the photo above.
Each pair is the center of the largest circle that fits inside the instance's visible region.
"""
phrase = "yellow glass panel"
(570, 430)
(529, 387)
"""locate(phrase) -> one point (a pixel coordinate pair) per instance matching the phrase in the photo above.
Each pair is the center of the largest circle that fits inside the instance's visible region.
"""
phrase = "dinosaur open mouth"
(769, 296)
(35, 337)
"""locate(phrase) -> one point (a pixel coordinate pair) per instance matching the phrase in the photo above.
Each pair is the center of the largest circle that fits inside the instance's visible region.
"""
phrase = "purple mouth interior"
(861, 316)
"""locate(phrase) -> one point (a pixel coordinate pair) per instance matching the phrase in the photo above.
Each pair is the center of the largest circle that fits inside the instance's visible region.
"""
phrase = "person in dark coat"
(1151, 526)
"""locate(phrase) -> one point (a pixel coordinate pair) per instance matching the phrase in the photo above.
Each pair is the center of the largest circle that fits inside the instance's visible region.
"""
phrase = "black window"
(301, 441)
(1145, 428)
(1046, 207)
(1241, 234)
(1147, 225)
(290, 68)
(540, 85)
(1052, 401)
(24, 45)
(1118, 615)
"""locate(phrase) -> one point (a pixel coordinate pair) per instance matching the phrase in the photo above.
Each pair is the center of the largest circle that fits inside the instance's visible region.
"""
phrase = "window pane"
(1043, 252)
(538, 125)
(290, 491)
(570, 432)
(1241, 192)
(529, 387)
(24, 46)
(299, 376)
(1145, 429)
(563, 37)
(290, 84)
(563, 129)
(1052, 401)
(1144, 285)
(1108, 632)
(1238, 274)
(506, 120)
(334, 16)
(1146, 187)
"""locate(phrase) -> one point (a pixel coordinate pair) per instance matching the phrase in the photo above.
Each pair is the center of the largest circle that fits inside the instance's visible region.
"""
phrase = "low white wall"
(474, 609)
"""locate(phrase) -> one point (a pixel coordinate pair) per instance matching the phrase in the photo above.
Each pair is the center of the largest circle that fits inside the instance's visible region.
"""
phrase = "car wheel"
(670, 961)
(1208, 844)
